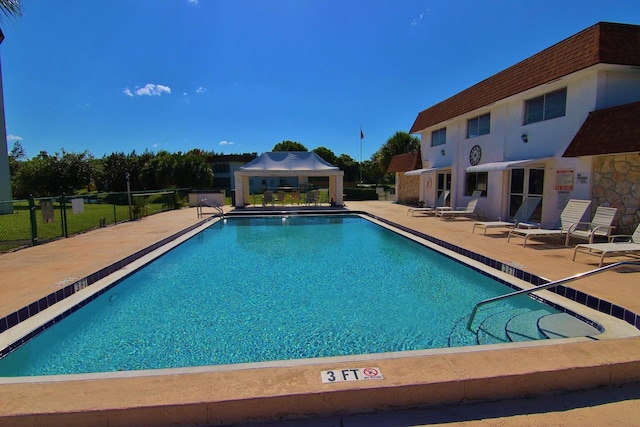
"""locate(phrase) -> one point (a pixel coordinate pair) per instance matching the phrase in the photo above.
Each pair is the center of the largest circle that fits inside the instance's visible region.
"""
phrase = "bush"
(174, 201)
(139, 207)
(356, 194)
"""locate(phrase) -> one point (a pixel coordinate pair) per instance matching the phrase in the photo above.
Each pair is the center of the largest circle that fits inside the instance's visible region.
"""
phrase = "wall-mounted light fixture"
(442, 151)
(524, 137)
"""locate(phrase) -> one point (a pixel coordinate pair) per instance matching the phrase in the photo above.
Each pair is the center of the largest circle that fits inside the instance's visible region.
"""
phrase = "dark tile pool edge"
(580, 297)
(66, 291)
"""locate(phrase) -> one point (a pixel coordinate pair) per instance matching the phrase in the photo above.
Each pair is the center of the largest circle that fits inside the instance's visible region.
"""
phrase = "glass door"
(444, 183)
(526, 182)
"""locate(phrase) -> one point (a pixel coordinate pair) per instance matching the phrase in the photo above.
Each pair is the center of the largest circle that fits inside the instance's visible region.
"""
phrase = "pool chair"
(522, 215)
(630, 246)
(281, 197)
(312, 198)
(445, 212)
(431, 210)
(267, 198)
(571, 215)
(600, 226)
(295, 197)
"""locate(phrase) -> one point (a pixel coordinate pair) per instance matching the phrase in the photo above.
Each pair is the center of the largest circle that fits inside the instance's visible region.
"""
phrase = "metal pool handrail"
(209, 204)
(545, 286)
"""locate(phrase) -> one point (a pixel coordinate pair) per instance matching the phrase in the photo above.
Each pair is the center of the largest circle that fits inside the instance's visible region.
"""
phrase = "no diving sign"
(351, 374)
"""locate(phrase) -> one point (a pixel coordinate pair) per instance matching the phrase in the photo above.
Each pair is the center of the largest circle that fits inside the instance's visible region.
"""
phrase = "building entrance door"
(444, 184)
(526, 182)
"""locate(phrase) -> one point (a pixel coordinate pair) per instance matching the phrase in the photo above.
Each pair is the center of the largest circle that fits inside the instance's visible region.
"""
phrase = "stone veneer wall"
(408, 188)
(616, 183)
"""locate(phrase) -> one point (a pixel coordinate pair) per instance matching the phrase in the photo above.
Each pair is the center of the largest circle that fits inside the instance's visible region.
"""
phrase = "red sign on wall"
(564, 180)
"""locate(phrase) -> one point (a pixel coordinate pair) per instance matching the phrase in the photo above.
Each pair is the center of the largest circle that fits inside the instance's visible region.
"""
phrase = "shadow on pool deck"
(601, 407)
(219, 397)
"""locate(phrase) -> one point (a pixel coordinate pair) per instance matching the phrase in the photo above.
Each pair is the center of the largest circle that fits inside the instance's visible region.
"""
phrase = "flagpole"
(361, 138)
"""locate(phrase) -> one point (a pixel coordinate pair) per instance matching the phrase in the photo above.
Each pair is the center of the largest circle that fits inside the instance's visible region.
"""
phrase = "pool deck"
(225, 396)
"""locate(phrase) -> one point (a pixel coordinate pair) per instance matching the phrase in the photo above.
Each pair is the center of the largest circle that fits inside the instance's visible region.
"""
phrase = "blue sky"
(238, 76)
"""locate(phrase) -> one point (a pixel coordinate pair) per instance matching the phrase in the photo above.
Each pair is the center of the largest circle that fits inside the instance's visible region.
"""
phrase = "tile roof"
(608, 131)
(405, 162)
(602, 43)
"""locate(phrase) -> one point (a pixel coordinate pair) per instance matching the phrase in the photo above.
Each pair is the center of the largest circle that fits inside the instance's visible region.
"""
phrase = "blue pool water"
(262, 289)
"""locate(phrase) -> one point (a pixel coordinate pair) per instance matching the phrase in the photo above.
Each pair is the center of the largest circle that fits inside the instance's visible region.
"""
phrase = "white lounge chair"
(522, 215)
(571, 214)
(429, 210)
(630, 247)
(470, 210)
(600, 226)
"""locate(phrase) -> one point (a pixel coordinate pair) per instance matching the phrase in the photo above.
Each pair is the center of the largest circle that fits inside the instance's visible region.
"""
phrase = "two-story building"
(561, 124)
(224, 166)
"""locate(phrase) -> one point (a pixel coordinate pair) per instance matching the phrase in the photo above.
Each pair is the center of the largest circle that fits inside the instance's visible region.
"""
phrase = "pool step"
(492, 330)
(524, 326)
(499, 326)
(460, 336)
(518, 325)
(563, 325)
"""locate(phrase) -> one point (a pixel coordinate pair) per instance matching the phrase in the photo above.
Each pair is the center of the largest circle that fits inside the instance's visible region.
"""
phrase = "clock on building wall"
(474, 155)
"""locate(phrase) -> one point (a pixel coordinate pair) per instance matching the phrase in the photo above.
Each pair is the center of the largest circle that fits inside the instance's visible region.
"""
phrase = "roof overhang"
(502, 166)
(614, 130)
(425, 170)
(288, 163)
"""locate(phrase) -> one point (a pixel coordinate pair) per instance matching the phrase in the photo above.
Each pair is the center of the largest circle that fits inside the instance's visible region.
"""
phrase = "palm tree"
(10, 9)
(399, 143)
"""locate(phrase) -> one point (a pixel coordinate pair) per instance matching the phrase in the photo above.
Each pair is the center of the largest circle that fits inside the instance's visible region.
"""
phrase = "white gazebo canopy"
(288, 163)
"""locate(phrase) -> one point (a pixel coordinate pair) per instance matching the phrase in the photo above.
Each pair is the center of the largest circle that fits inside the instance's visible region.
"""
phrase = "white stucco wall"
(619, 86)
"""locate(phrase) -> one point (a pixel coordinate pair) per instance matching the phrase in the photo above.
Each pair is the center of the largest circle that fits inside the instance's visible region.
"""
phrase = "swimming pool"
(274, 288)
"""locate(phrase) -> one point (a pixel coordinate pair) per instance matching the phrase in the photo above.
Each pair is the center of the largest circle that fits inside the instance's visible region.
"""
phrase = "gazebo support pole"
(339, 189)
(246, 189)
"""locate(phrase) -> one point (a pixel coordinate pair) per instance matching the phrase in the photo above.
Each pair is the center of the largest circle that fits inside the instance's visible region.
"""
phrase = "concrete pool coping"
(226, 396)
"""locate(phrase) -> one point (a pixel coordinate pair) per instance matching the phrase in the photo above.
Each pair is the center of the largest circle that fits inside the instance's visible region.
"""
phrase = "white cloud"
(226, 143)
(201, 89)
(149, 89)
(417, 20)
(193, 1)
(153, 90)
(14, 138)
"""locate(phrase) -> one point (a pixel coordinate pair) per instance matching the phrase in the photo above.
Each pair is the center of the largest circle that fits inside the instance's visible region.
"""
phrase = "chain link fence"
(33, 221)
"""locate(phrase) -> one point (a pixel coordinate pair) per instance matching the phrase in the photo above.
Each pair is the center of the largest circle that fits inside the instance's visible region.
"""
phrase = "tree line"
(64, 172)
(68, 173)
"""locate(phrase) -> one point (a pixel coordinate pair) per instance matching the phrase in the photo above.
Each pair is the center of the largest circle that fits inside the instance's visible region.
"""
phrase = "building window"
(546, 107)
(221, 168)
(480, 125)
(476, 181)
(439, 137)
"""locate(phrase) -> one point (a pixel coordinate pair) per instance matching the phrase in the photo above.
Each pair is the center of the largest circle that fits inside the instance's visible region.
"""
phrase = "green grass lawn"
(15, 228)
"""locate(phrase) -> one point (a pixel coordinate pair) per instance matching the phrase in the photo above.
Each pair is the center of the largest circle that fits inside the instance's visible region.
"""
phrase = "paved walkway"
(30, 274)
